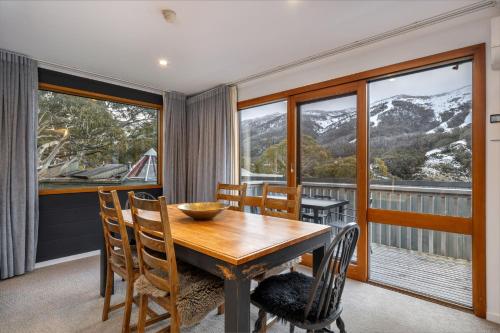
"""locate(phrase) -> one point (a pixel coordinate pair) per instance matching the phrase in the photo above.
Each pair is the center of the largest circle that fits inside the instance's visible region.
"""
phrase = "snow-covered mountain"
(395, 123)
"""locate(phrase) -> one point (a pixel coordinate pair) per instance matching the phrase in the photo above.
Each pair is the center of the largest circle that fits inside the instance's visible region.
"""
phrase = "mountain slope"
(404, 131)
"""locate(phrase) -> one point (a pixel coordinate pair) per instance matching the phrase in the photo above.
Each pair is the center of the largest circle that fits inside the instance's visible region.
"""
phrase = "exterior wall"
(465, 31)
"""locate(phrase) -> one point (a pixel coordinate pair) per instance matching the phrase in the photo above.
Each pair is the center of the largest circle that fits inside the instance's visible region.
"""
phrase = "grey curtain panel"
(175, 147)
(211, 119)
(18, 175)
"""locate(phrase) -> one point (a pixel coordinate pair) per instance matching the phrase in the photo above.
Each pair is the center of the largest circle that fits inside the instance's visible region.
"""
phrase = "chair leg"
(175, 326)
(143, 307)
(341, 325)
(260, 323)
(129, 299)
(292, 328)
(107, 295)
(220, 309)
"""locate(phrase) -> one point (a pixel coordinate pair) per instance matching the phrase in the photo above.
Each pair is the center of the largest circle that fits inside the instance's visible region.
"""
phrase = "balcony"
(431, 263)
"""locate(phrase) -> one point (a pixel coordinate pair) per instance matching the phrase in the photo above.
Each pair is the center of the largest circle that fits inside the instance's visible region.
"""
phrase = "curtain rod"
(469, 9)
(210, 89)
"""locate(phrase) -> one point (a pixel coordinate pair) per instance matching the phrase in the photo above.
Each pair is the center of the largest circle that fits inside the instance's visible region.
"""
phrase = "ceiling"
(210, 43)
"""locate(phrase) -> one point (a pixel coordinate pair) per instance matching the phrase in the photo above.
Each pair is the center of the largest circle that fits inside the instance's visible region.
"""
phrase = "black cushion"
(286, 296)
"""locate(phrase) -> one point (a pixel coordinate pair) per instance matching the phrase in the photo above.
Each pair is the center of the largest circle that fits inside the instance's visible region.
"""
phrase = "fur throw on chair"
(199, 292)
(286, 296)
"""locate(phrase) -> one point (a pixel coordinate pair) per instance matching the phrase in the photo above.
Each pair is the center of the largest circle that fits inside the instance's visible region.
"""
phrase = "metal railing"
(433, 200)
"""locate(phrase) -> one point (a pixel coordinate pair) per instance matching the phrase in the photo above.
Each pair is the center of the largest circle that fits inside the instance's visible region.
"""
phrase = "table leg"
(318, 255)
(103, 271)
(237, 306)
(316, 216)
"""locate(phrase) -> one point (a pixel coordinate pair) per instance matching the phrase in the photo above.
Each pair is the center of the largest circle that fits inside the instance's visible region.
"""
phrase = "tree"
(91, 132)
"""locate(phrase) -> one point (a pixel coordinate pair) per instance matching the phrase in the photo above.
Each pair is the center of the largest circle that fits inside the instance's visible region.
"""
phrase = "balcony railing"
(431, 263)
(433, 200)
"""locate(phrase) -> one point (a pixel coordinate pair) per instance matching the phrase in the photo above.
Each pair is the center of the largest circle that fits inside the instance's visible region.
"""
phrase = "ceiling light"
(163, 62)
(392, 79)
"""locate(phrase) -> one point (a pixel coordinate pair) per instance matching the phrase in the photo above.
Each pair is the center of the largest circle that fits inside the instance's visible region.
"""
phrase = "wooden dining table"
(237, 246)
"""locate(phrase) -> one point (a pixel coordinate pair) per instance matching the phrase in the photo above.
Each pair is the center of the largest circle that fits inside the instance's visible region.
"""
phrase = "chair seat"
(286, 297)
(199, 292)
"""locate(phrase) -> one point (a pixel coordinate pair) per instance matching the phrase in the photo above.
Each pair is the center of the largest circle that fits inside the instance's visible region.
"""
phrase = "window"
(263, 145)
(84, 142)
(420, 141)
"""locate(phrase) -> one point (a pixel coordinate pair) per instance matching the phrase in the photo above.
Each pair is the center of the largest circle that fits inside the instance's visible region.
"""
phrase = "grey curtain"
(18, 177)
(175, 147)
(211, 151)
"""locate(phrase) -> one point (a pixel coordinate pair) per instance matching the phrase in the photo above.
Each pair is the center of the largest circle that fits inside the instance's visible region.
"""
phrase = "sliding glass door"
(420, 143)
(401, 151)
(327, 159)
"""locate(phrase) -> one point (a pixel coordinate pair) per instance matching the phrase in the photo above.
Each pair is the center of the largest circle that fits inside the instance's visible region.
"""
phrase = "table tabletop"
(235, 237)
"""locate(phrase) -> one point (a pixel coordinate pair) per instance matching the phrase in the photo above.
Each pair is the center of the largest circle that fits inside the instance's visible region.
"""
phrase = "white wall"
(461, 32)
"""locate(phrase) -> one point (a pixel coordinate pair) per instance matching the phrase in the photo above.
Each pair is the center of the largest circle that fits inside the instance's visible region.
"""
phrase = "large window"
(84, 142)
(263, 146)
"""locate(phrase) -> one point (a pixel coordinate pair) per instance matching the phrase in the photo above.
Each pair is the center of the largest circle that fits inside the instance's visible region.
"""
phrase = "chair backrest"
(226, 192)
(114, 230)
(142, 195)
(328, 286)
(155, 246)
(287, 207)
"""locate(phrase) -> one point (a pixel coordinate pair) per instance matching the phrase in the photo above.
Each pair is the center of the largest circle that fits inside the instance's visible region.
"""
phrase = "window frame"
(474, 225)
(115, 99)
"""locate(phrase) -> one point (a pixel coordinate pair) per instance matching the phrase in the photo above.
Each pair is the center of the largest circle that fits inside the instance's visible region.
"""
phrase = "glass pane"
(420, 141)
(328, 160)
(83, 142)
(431, 263)
(263, 146)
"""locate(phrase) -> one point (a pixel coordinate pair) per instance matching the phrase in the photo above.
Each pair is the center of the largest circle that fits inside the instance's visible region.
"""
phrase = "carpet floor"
(65, 298)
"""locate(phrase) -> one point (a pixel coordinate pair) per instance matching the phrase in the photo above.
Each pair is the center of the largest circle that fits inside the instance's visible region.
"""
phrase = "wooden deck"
(435, 276)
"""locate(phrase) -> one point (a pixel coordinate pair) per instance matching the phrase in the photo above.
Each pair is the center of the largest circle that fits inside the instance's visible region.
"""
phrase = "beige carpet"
(65, 298)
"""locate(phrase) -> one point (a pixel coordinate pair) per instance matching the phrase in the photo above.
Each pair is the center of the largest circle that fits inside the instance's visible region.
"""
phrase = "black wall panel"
(77, 82)
(69, 224)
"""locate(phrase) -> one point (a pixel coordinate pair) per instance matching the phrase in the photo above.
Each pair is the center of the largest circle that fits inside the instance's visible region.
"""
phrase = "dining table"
(237, 246)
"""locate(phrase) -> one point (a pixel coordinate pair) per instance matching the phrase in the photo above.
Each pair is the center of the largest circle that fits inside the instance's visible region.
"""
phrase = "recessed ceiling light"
(392, 79)
(163, 62)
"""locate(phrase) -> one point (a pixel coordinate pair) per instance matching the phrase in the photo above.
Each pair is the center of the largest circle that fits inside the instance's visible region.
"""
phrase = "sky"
(429, 82)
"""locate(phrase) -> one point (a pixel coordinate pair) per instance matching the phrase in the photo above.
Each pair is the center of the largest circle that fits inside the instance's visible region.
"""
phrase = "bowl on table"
(202, 210)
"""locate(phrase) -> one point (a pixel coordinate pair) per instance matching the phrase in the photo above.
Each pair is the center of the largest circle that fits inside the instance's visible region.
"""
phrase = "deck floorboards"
(438, 277)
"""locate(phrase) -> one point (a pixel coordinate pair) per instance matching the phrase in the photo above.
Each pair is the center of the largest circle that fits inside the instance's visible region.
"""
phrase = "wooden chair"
(185, 292)
(287, 207)
(120, 258)
(309, 303)
(225, 192)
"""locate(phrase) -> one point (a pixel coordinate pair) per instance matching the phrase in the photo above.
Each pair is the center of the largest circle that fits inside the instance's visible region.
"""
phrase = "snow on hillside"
(440, 104)
(442, 161)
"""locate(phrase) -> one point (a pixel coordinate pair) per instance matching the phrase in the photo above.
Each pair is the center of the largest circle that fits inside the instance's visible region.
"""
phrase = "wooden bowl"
(202, 210)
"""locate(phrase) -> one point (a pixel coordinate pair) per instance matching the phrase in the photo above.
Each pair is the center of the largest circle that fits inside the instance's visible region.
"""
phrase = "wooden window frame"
(115, 99)
(476, 224)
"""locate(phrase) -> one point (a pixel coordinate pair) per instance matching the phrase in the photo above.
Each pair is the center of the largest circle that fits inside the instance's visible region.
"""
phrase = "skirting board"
(66, 259)
(494, 317)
